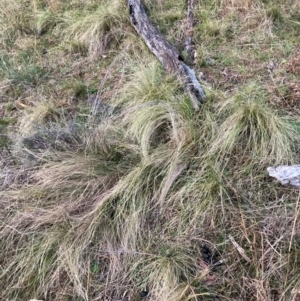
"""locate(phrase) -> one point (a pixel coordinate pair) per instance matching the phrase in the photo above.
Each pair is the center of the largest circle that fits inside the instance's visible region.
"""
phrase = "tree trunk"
(165, 52)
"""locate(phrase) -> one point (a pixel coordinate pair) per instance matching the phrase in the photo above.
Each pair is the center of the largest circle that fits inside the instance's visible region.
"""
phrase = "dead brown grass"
(112, 188)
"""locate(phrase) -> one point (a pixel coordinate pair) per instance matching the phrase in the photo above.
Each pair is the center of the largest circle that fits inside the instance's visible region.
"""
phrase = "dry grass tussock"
(121, 191)
(246, 116)
(99, 27)
(128, 204)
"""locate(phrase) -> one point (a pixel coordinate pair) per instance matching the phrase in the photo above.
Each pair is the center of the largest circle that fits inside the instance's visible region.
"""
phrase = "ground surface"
(113, 188)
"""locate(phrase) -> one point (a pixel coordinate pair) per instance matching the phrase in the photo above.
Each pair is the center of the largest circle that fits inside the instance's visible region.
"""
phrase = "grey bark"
(286, 174)
(189, 45)
(165, 52)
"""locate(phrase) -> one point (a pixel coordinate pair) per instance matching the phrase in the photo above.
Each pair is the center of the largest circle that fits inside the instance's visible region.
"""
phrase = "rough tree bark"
(189, 45)
(165, 52)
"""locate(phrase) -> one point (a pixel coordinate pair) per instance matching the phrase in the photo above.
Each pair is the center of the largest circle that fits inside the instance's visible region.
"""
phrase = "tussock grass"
(99, 206)
(154, 124)
(37, 115)
(75, 176)
(100, 27)
(117, 190)
(253, 127)
(12, 22)
(148, 82)
(46, 20)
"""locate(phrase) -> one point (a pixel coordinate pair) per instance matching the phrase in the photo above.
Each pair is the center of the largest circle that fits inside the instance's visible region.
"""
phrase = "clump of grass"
(36, 115)
(123, 201)
(21, 71)
(167, 14)
(251, 126)
(99, 28)
(210, 28)
(15, 21)
(154, 124)
(134, 187)
(45, 21)
(239, 4)
(77, 88)
(75, 47)
(148, 82)
(51, 246)
(213, 28)
(275, 14)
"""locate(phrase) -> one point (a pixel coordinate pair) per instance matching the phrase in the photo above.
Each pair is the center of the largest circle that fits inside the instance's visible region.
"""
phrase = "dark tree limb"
(165, 52)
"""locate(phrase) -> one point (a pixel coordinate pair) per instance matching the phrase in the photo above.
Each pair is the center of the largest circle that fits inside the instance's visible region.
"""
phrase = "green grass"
(112, 186)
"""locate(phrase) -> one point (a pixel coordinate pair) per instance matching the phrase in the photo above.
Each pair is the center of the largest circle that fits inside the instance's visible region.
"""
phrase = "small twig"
(239, 248)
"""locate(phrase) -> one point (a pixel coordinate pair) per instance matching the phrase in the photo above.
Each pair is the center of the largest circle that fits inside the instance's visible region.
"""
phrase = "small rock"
(143, 294)
(286, 174)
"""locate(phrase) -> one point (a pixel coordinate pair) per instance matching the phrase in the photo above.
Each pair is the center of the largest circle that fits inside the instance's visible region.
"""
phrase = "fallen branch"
(286, 174)
(165, 52)
(189, 45)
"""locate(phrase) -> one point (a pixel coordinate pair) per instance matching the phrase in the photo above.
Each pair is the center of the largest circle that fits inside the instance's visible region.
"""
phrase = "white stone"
(286, 174)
